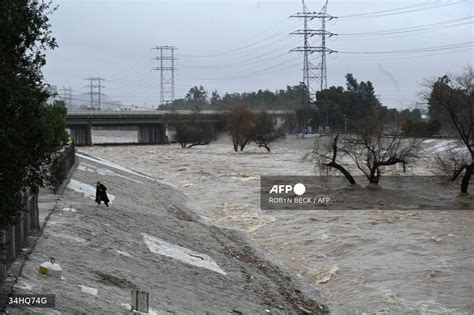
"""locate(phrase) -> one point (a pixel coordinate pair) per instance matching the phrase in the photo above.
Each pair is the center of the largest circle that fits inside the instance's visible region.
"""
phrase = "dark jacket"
(101, 194)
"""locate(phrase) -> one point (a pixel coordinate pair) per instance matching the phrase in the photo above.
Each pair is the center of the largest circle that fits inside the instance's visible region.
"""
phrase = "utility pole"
(97, 86)
(166, 57)
(310, 72)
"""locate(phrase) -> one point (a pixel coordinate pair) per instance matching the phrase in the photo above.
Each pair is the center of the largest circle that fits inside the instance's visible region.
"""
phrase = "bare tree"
(451, 162)
(376, 145)
(241, 122)
(326, 154)
(455, 99)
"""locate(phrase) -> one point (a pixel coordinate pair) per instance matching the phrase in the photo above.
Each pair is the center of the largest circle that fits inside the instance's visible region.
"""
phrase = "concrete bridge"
(151, 124)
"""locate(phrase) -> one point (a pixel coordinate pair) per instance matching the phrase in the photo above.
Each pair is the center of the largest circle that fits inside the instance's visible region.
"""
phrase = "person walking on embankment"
(101, 194)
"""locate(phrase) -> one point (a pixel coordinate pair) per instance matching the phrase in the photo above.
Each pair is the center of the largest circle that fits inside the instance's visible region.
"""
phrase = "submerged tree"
(265, 132)
(326, 153)
(190, 135)
(452, 161)
(241, 122)
(453, 99)
(191, 130)
(376, 145)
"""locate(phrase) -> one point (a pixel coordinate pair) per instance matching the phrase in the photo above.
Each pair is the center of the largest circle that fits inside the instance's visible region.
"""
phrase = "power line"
(412, 51)
(243, 62)
(233, 51)
(372, 58)
(400, 10)
(388, 11)
(257, 46)
(411, 28)
(254, 73)
(402, 34)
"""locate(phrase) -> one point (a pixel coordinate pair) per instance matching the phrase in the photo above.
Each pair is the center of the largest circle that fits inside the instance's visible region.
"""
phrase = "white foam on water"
(324, 275)
(85, 189)
(245, 178)
(441, 149)
(186, 255)
(440, 146)
(87, 289)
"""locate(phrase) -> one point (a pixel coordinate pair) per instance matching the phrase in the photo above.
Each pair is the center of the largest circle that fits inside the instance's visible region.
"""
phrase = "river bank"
(149, 240)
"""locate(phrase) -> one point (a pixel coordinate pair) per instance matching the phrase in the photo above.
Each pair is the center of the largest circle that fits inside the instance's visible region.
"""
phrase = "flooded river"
(362, 261)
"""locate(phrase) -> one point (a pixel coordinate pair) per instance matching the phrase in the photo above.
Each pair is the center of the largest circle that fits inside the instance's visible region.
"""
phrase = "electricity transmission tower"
(93, 86)
(312, 72)
(166, 57)
(66, 95)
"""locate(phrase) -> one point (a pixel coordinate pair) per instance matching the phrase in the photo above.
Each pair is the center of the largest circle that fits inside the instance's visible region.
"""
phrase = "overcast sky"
(236, 46)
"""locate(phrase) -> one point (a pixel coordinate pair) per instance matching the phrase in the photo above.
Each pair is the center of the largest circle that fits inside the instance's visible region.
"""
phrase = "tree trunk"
(339, 167)
(198, 143)
(466, 178)
(373, 178)
(242, 146)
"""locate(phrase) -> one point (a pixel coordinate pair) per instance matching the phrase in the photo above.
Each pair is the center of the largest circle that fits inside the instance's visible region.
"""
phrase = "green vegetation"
(265, 132)
(336, 107)
(262, 99)
(240, 122)
(31, 131)
(245, 126)
(191, 131)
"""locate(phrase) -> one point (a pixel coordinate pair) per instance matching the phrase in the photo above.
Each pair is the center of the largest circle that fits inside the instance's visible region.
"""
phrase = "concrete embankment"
(148, 240)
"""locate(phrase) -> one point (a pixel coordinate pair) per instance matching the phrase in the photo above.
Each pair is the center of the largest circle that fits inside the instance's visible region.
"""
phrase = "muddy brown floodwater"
(362, 261)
